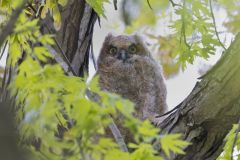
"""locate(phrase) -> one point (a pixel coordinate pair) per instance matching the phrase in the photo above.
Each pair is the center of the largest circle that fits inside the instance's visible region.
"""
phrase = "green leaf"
(97, 5)
(227, 150)
(116, 154)
(47, 39)
(62, 2)
(57, 18)
(41, 53)
(145, 152)
(173, 143)
(15, 51)
(147, 129)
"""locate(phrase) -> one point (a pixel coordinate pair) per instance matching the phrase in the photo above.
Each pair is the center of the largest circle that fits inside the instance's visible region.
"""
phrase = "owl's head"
(123, 48)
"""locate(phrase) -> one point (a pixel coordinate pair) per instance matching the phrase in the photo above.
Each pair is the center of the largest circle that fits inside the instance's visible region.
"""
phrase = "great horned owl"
(126, 67)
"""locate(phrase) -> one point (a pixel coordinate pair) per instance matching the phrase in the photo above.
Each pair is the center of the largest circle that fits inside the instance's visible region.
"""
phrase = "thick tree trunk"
(74, 39)
(208, 113)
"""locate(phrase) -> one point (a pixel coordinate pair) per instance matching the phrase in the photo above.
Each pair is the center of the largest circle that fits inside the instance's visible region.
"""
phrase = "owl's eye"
(132, 49)
(113, 50)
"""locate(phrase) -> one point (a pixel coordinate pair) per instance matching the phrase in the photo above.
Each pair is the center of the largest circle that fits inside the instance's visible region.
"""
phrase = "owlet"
(126, 67)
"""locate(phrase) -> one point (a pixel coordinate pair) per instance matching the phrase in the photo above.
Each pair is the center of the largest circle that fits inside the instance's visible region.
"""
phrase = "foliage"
(195, 31)
(147, 17)
(97, 5)
(172, 143)
(55, 114)
(190, 28)
(232, 8)
(229, 149)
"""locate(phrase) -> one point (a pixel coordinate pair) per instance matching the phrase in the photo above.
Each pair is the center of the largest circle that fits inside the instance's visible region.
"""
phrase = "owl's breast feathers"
(116, 76)
(129, 78)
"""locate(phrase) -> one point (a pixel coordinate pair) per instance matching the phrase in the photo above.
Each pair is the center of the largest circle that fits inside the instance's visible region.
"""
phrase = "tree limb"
(115, 4)
(3, 50)
(207, 114)
(174, 4)
(149, 4)
(118, 136)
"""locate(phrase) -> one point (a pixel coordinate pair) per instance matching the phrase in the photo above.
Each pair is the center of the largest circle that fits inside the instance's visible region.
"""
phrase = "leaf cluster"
(232, 145)
(190, 28)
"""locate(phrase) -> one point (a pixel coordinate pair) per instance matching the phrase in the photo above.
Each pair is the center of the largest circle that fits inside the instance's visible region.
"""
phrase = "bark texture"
(208, 113)
(74, 39)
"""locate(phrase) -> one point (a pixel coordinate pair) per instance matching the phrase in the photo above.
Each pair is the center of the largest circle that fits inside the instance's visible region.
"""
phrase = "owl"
(126, 67)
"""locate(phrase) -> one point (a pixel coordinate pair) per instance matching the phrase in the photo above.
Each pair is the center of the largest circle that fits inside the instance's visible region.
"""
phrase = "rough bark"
(208, 113)
(74, 39)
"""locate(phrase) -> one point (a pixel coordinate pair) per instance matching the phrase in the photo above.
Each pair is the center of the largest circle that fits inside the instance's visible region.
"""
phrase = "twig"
(115, 4)
(112, 126)
(5, 82)
(164, 114)
(62, 53)
(33, 9)
(183, 27)
(215, 27)
(173, 3)
(3, 50)
(235, 138)
(8, 28)
(99, 22)
(118, 137)
(59, 119)
(149, 4)
(59, 47)
(93, 58)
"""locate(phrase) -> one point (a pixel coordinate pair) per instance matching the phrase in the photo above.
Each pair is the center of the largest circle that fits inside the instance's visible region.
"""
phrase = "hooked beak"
(123, 55)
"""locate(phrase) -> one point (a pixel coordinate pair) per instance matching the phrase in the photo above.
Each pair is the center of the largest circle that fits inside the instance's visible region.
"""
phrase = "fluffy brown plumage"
(126, 67)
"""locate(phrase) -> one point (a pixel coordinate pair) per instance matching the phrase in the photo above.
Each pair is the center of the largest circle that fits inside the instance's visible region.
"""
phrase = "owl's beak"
(123, 55)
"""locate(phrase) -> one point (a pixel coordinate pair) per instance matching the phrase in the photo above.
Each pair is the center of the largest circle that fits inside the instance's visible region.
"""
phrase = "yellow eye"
(132, 49)
(113, 50)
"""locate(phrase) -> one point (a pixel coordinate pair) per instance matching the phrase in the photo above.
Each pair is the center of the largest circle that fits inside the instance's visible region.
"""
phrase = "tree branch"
(206, 116)
(183, 29)
(3, 49)
(115, 4)
(62, 53)
(215, 27)
(149, 4)
(118, 136)
(173, 3)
